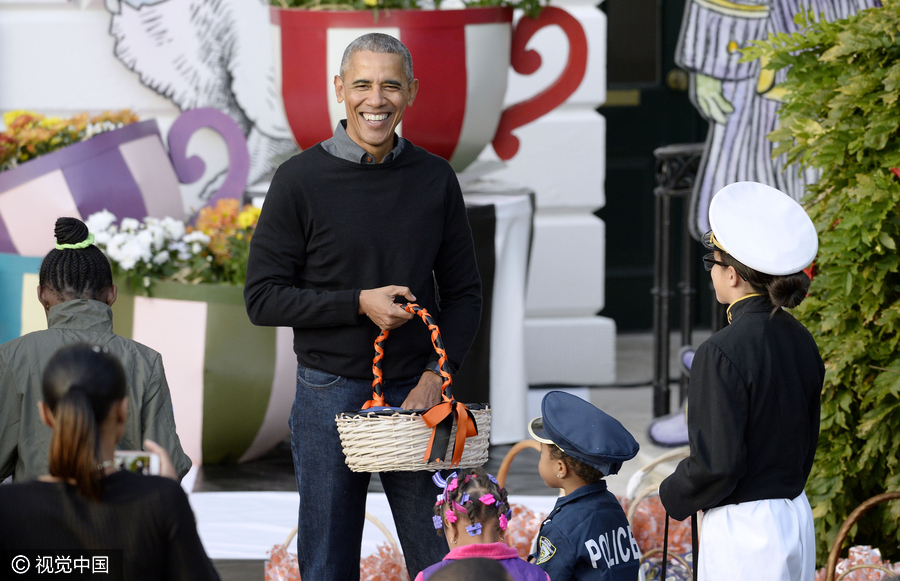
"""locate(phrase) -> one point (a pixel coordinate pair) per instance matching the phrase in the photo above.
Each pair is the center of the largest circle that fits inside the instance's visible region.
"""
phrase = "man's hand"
(378, 304)
(166, 468)
(708, 97)
(426, 394)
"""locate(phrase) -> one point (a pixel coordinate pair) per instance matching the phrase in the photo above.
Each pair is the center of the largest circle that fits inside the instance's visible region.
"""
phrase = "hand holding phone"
(166, 468)
(138, 461)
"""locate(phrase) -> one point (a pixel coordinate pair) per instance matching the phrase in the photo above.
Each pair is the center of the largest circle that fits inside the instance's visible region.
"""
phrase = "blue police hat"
(584, 432)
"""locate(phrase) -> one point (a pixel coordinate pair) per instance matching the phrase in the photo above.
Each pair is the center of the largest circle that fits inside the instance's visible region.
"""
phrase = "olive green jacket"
(25, 440)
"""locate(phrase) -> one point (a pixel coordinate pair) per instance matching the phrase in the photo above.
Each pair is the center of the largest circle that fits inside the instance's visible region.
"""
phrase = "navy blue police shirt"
(587, 536)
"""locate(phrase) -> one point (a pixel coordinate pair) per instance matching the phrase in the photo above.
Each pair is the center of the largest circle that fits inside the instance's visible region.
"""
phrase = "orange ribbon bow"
(440, 419)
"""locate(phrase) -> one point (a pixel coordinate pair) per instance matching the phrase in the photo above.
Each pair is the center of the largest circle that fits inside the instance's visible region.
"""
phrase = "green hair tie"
(83, 244)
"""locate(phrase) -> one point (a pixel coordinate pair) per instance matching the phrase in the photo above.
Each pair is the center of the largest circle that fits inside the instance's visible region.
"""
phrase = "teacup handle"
(191, 169)
(526, 62)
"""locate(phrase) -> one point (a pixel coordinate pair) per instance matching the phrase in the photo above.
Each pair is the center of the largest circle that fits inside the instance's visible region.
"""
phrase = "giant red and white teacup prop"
(461, 58)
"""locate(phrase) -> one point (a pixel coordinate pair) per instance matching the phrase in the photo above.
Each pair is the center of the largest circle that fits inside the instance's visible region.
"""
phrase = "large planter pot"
(461, 58)
(127, 171)
(232, 383)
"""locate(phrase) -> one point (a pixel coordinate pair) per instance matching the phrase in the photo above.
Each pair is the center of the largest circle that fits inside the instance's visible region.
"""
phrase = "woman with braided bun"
(77, 292)
(142, 523)
(472, 512)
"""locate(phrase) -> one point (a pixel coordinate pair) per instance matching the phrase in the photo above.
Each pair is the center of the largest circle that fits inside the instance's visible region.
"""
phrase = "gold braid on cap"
(709, 241)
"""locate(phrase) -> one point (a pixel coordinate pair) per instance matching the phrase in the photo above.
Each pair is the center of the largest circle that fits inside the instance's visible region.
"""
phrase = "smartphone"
(137, 461)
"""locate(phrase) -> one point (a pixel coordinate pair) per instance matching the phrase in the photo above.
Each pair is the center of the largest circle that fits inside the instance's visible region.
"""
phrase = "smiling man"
(351, 228)
(376, 92)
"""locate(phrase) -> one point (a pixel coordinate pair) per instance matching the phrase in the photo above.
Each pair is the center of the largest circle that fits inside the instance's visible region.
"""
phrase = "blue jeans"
(333, 499)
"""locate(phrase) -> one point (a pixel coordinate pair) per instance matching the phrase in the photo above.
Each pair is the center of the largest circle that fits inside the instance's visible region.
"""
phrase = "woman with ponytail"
(84, 502)
(754, 395)
(77, 292)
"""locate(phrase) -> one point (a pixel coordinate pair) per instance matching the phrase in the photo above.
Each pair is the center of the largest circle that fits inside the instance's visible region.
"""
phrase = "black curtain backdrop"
(473, 382)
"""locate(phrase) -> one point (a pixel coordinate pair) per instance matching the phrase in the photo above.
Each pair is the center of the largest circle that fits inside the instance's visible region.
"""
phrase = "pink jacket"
(519, 569)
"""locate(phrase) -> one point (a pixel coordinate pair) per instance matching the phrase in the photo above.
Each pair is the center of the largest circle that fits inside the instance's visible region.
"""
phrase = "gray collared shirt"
(345, 148)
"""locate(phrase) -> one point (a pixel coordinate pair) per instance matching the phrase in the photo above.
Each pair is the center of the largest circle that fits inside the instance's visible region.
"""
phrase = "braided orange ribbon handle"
(441, 416)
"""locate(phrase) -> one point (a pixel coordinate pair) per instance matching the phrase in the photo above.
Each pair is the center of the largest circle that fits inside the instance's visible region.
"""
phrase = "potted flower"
(29, 135)
(52, 167)
(461, 56)
(181, 292)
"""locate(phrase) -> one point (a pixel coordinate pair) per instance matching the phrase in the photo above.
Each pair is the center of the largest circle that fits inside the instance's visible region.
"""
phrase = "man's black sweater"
(330, 228)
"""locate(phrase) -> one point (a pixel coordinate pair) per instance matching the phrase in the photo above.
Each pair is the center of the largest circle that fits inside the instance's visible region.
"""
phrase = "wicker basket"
(392, 440)
(844, 532)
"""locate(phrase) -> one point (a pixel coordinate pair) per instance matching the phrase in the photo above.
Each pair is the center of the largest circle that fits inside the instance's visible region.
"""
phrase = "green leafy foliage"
(841, 116)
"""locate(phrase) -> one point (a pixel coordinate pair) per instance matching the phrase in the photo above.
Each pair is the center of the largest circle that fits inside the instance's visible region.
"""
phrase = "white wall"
(562, 157)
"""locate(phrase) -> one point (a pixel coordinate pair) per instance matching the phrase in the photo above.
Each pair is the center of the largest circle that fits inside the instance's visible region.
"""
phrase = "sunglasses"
(709, 260)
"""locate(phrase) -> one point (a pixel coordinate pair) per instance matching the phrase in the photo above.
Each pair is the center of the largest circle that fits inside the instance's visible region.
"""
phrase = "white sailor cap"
(762, 228)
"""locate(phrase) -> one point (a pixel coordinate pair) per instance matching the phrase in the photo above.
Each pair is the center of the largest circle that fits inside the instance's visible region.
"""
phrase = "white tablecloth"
(512, 238)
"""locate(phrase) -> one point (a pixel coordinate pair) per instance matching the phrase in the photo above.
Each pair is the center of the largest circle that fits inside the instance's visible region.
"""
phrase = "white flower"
(197, 240)
(114, 247)
(196, 236)
(146, 238)
(130, 225)
(161, 257)
(100, 221)
(127, 250)
(102, 237)
(154, 235)
(174, 228)
(182, 250)
(125, 262)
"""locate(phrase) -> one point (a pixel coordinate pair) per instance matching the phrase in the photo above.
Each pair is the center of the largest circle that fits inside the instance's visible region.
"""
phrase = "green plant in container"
(214, 250)
(531, 7)
(29, 135)
(841, 116)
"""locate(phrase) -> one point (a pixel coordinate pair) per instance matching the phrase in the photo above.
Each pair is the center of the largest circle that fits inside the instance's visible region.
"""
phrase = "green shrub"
(841, 115)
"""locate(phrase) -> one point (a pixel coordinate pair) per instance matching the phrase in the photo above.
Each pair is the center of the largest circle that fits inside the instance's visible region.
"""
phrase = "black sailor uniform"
(753, 415)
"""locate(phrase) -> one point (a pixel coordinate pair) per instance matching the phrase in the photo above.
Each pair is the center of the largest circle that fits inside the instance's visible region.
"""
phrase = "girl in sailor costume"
(754, 395)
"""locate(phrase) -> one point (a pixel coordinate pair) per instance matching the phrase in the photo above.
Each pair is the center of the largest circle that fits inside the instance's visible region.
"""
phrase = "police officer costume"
(587, 535)
(754, 396)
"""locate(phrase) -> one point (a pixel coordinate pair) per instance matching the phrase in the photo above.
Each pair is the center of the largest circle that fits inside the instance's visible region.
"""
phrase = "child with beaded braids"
(77, 291)
(472, 512)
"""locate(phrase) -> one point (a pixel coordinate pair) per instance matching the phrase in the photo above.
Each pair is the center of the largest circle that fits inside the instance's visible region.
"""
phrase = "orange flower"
(31, 134)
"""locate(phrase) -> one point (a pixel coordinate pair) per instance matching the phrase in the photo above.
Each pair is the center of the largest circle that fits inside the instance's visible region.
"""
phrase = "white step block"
(568, 258)
(552, 45)
(561, 157)
(578, 351)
